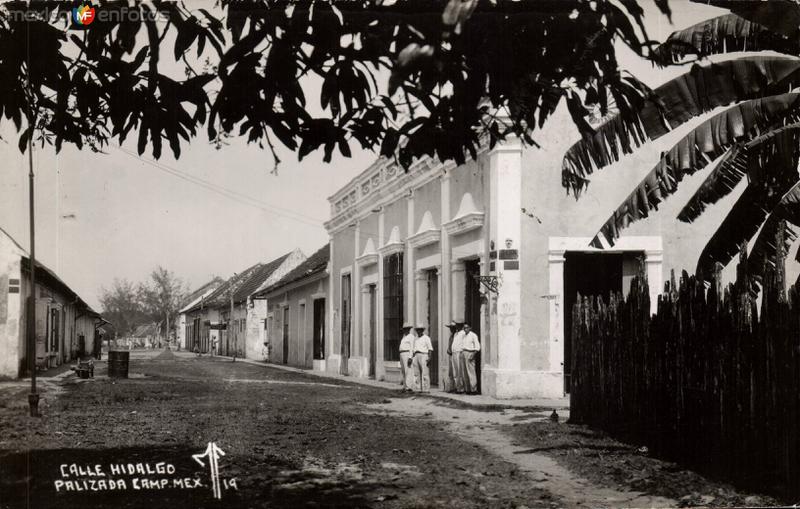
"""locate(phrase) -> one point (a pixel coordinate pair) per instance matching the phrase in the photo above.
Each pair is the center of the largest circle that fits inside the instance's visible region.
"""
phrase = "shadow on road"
(153, 477)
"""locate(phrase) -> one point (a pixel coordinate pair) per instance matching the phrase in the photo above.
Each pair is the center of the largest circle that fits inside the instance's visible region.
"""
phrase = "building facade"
(496, 243)
(296, 304)
(229, 317)
(66, 327)
(193, 300)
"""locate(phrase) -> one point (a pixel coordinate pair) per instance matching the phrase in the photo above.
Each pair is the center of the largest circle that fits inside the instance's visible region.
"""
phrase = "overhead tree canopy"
(452, 64)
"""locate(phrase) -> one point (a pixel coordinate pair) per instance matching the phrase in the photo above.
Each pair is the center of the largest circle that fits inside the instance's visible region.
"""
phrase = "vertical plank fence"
(710, 380)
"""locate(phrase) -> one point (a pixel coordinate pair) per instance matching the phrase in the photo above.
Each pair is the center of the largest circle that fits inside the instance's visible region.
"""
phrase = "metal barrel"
(118, 363)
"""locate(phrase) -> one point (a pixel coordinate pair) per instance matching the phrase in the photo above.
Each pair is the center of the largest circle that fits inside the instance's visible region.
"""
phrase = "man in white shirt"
(458, 362)
(470, 347)
(406, 356)
(422, 349)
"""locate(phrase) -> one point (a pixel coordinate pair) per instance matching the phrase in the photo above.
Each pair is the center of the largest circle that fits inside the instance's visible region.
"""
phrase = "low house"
(229, 318)
(146, 335)
(296, 313)
(184, 329)
(66, 326)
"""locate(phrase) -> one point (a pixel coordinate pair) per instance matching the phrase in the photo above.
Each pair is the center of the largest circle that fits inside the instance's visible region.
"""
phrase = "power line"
(235, 195)
(228, 193)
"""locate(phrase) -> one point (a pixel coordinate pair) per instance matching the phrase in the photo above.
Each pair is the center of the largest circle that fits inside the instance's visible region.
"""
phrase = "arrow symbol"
(212, 452)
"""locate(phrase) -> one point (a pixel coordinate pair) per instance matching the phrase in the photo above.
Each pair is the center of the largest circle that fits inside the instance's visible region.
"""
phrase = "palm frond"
(700, 90)
(724, 34)
(745, 158)
(706, 142)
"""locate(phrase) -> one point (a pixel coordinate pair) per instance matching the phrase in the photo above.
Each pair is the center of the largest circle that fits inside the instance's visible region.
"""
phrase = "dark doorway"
(433, 325)
(319, 329)
(472, 308)
(81, 346)
(373, 333)
(392, 305)
(346, 312)
(54, 329)
(286, 335)
(586, 274)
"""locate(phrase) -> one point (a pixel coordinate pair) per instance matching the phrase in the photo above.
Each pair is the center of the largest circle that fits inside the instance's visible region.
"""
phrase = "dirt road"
(288, 439)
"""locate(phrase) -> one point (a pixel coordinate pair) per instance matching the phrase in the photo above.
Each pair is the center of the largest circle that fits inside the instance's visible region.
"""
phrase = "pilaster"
(356, 344)
(505, 163)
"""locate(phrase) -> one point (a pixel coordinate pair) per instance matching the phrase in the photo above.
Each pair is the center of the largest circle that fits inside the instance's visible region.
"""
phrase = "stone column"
(379, 371)
(329, 340)
(444, 243)
(408, 274)
(355, 346)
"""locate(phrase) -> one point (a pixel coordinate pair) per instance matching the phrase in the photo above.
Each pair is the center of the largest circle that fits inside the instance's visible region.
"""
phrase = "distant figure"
(196, 349)
(213, 346)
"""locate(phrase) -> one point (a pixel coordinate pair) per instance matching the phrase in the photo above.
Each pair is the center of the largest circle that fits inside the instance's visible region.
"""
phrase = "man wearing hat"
(458, 361)
(422, 349)
(451, 367)
(470, 347)
(406, 357)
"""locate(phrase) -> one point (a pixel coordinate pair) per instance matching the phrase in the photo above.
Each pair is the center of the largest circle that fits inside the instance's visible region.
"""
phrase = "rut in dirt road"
(481, 427)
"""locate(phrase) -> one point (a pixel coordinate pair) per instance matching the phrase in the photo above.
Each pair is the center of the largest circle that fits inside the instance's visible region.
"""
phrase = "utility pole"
(230, 327)
(33, 397)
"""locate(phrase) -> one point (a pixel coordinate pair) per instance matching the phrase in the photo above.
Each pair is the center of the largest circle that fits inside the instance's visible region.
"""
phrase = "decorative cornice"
(467, 222)
(392, 248)
(425, 238)
(380, 184)
(367, 259)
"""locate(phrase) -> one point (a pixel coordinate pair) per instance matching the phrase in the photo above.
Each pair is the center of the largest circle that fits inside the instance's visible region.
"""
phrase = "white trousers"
(406, 371)
(456, 364)
(422, 377)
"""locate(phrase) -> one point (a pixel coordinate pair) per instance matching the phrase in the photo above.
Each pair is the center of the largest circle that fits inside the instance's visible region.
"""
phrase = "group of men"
(462, 350)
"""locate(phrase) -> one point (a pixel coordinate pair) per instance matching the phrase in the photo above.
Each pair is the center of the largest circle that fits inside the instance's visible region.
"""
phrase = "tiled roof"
(222, 295)
(243, 284)
(193, 299)
(312, 265)
(252, 284)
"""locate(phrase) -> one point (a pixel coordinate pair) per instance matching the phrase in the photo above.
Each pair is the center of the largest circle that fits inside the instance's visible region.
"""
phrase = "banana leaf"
(705, 143)
(700, 90)
(724, 34)
(748, 214)
(742, 159)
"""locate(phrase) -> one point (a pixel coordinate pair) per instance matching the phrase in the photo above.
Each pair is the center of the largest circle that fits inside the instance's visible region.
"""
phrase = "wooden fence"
(707, 381)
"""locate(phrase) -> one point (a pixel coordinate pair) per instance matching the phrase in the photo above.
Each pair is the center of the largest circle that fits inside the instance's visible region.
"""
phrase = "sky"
(210, 213)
